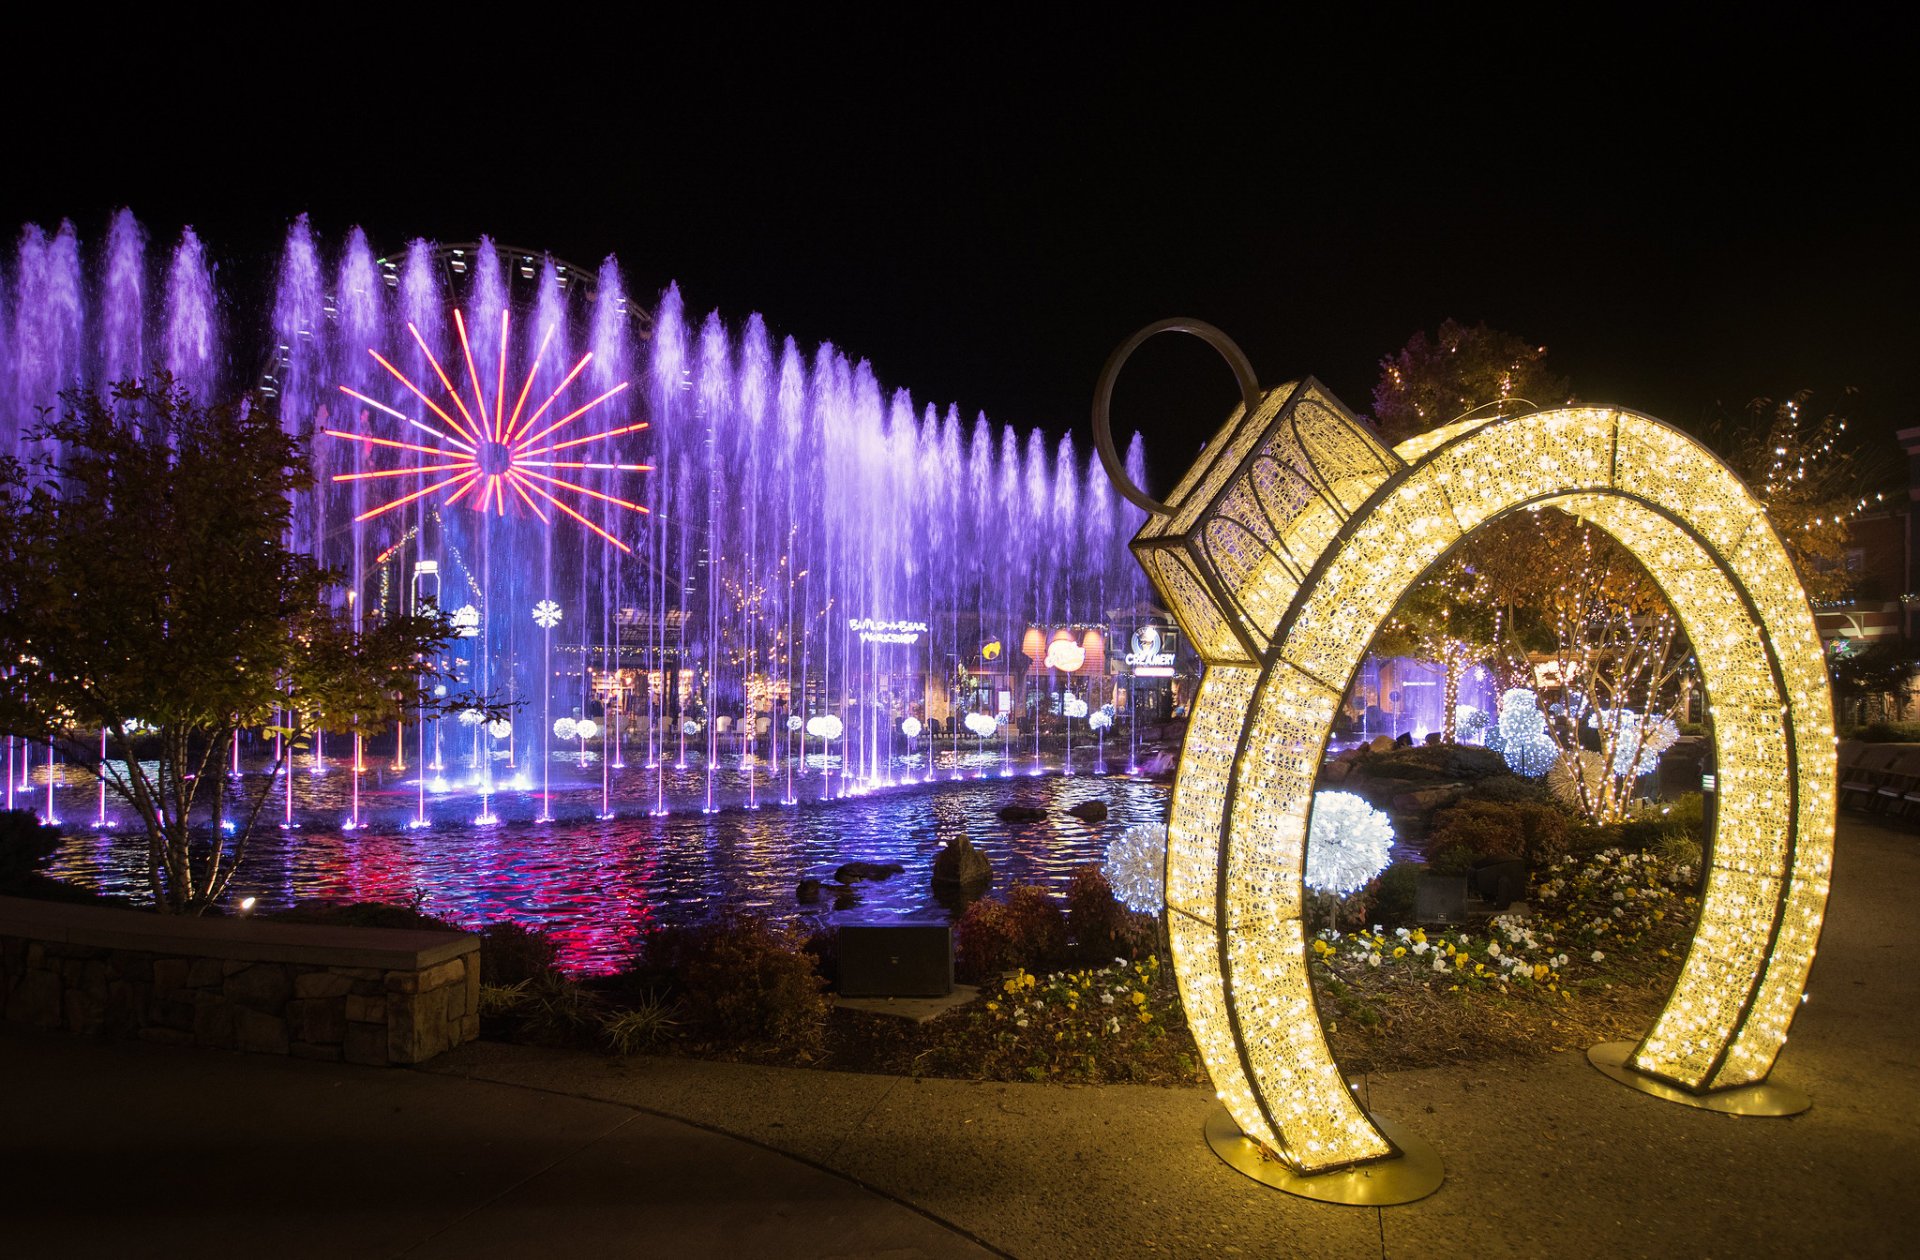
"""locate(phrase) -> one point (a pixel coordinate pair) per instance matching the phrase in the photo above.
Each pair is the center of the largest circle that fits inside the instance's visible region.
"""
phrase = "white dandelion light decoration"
(910, 728)
(1524, 741)
(585, 729)
(564, 728)
(793, 723)
(472, 717)
(500, 728)
(981, 724)
(1136, 868)
(1348, 843)
(826, 726)
(1100, 720)
(1073, 706)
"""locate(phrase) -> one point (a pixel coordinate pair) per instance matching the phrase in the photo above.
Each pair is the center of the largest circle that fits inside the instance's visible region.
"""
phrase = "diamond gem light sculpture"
(1282, 551)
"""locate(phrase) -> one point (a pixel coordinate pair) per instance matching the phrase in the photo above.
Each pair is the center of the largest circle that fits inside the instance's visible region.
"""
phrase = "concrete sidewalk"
(506, 1150)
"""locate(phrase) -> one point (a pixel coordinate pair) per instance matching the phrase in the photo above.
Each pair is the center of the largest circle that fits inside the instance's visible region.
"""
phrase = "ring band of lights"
(1283, 550)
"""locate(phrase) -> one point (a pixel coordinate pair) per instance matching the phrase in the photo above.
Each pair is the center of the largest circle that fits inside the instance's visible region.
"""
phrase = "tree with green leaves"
(1450, 618)
(1428, 383)
(147, 595)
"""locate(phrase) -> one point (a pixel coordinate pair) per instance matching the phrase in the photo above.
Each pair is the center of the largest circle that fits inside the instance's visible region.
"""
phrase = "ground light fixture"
(1281, 552)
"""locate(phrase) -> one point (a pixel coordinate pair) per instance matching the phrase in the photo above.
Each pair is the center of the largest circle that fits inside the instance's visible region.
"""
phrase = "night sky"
(1687, 217)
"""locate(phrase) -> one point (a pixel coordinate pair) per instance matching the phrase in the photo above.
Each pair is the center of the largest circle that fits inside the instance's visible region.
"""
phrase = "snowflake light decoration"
(1348, 843)
(488, 446)
(1136, 868)
(546, 614)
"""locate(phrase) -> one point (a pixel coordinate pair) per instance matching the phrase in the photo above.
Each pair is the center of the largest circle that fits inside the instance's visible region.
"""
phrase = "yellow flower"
(1138, 997)
(1541, 971)
(1419, 936)
(1399, 951)
(1146, 1017)
(993, 1006)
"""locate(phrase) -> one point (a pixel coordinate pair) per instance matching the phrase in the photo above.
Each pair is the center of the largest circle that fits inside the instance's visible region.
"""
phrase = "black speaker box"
(896, 960)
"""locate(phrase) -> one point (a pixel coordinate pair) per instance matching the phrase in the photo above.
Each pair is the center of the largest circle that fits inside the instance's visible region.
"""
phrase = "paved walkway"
(505, 1150)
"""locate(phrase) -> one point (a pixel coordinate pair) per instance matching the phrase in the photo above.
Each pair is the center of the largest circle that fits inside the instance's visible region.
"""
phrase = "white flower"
(1493, 949)
(1020, 1022)
(1373, 960)
(1560, 960)
(1439, 963)
(1421, 947)
(1106, 999)
(1598, 956)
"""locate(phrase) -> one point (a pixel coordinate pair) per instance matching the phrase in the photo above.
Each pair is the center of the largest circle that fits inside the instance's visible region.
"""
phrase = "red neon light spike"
(401, 472)
(583, 520)
(591, 437)
(559, 463)
(500, 393)
(417, 393)
(405, 446)
(500, 494)
(557, 390)
(399, 415)
(479, 396)
(473, 429)
(572, 415)
(388, 507)
(568, 485)
(514, 481)
(532, 372)
(455, 496)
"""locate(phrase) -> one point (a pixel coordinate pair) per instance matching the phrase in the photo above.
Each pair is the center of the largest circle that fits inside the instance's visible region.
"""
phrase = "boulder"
(1021, 813)
(808, 893)
(866, 870)
(1336, 771)
(846, 899)
(1089, 811)
(960, 865)
(1382, 744)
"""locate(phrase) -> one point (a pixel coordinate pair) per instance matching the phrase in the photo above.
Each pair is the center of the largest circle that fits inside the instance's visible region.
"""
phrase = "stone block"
(228, 966)
(36, 954)
(473, 987)
(179, 1012)
(126, 1006)
(469, 1028)
(359, 973)
(261, 986)
(321, 984)
(258, 1032)
(170, 973)
(204, 973)
(166, 1036)
(371, 988)
(417, 1028)
(403, 981)
(321, 1021)
(365, 1043)
(366, 1010)
(131, 965)
(35, 1000)
(85, 1013)
(213, 1023)
(305, 1050)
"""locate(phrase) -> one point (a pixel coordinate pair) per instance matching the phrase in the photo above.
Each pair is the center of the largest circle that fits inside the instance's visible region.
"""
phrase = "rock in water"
(1090, 811)
(866, 870)
(808, 893)
(1021, 813)
(962, 865)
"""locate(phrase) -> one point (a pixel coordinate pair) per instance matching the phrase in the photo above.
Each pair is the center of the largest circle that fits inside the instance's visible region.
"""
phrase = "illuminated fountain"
(705, 567)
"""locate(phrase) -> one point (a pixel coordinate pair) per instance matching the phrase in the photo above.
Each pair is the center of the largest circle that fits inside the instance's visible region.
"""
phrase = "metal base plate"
(1415, 1174)
(1768, 1098)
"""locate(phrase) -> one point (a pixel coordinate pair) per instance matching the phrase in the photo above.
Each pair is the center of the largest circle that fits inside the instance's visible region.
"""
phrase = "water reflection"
(599, 884)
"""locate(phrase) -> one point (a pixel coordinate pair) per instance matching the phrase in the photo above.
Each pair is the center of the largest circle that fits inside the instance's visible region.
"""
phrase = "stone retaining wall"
(365, 995)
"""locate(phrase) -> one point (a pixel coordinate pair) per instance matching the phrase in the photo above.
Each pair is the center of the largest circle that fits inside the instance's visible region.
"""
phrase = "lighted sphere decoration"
(691, 727)
(500, 728)
(826, 726)
(1100, 719)
(1283, 550)
(1348, 843)
(565, 728)
(1136, 868)
(1637, 742)
(1073, 706)
(1524, 741)
(1065, 655)
(981, 724)
(911, 728)
(472, 717)
(794, 723)
(586, 728)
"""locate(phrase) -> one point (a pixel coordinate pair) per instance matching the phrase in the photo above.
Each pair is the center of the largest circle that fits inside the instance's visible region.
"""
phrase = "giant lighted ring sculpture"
(1281, 552)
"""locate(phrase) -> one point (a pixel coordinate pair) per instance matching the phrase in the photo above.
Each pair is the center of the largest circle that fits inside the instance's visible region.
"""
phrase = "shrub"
(1025, 930)
(1885, 733)
(1101, 927)
(751, 985)
(373, 914)
(511, 953)
(555, 1011)
(649, 1024)
(1392, 894)
(1438, 763)
(26, 847)
(1529, 830)
(1511, 789)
